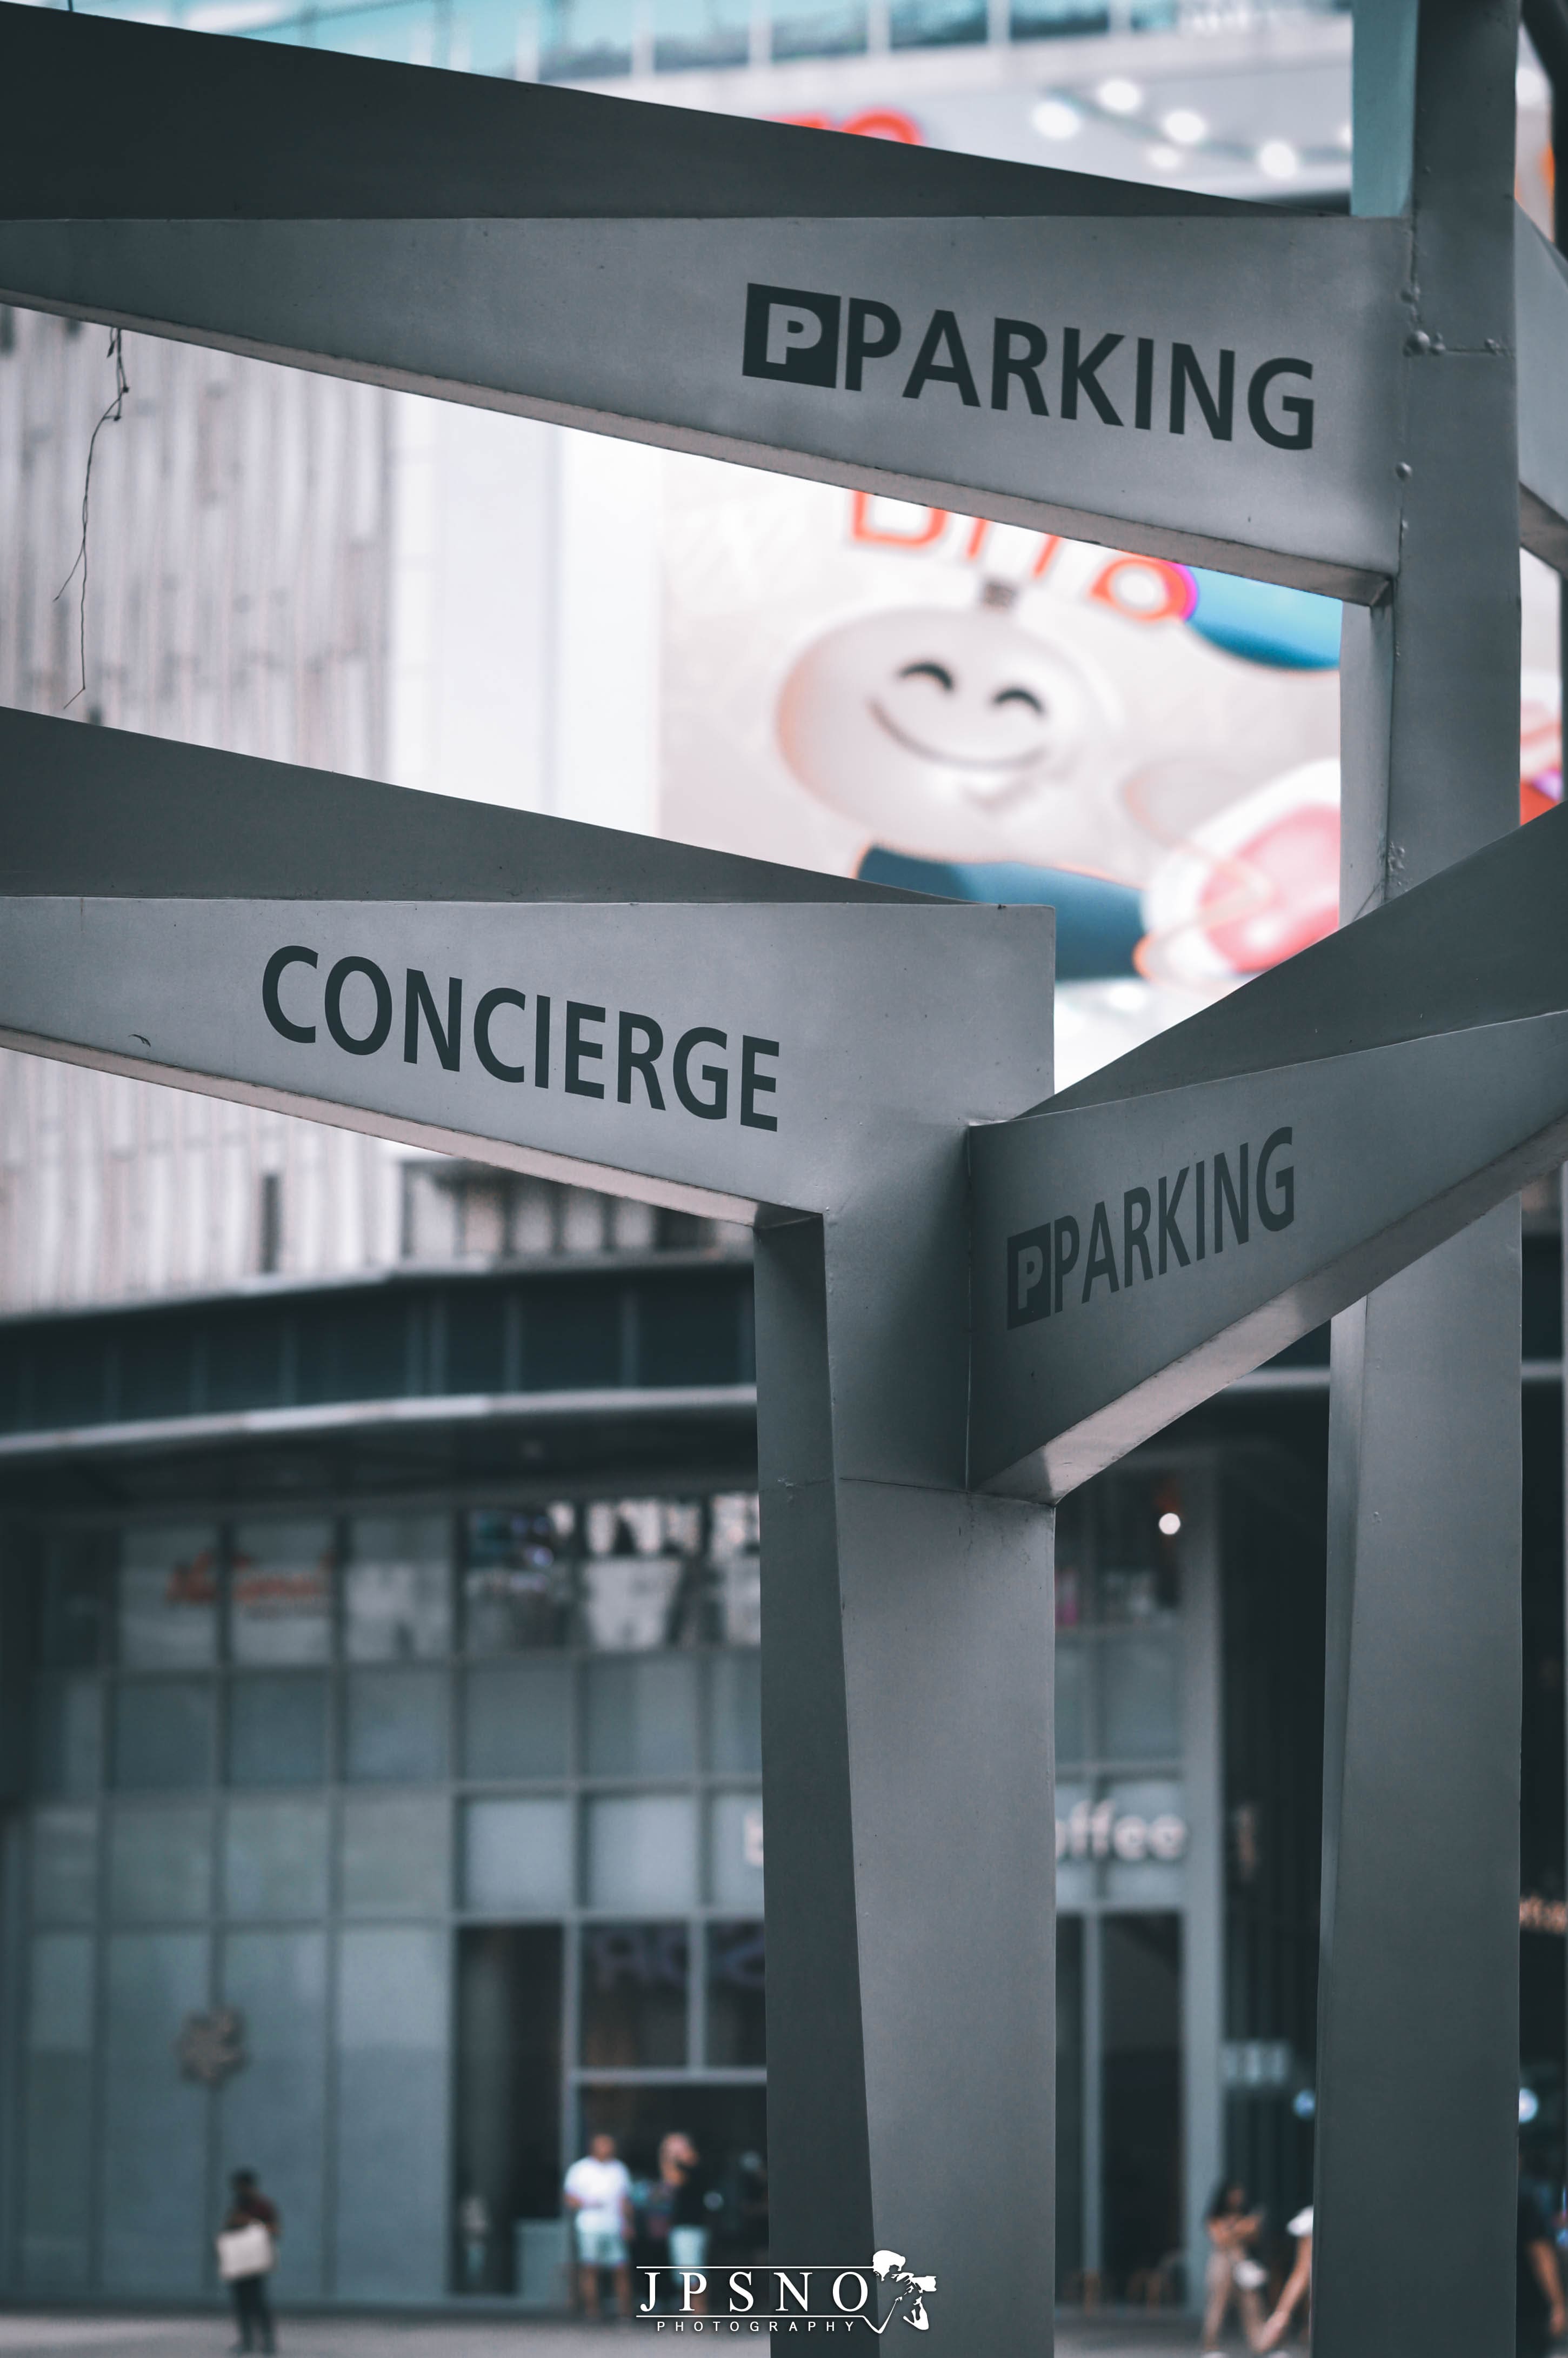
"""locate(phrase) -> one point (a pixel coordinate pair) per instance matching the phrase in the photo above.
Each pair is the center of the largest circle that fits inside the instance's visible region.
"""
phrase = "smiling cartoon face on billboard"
(975, 710)
(953, 734)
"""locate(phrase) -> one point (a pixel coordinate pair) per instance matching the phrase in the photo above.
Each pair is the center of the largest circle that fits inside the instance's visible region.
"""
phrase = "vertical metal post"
(1418, 2006)
(1203, 1923)
(1546, 21)
(907, 1753)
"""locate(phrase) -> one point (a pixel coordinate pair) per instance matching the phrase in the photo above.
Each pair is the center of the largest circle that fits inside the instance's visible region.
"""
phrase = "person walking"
(598, 2201)
(1539, 2312)
(678, 2159)
(1297, 2285)
(248, 2253)
(1232, 2274)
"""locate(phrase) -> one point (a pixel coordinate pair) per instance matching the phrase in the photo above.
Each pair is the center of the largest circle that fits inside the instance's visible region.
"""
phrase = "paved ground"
(97, 2336)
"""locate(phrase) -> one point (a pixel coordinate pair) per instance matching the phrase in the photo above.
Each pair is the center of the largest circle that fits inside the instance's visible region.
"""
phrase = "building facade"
(380, 1633)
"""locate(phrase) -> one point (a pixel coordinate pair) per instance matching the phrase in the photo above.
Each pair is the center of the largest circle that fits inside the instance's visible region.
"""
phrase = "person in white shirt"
(599, 2203)
(1297, 2285)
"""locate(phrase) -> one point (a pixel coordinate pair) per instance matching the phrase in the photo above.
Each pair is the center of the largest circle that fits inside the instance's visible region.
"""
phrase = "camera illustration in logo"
(791, 335)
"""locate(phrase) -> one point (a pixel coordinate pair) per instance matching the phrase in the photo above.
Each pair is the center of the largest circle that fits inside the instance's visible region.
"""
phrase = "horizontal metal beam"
(1219, 391)
(1198, 381)
(1540, 298)
(335, 1418)
(112, 120)
(1167, 1226)
(105, 813)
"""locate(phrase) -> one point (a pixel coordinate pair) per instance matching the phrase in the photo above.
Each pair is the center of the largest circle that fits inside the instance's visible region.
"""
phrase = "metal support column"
(907, 1650)
(1546, 21)
(1418, 2044)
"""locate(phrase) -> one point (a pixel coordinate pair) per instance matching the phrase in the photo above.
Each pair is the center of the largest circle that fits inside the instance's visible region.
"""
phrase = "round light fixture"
(1185, 126)
(1278, 160)
(1163, 159)
(1529, 2105)
(1170, 1524)
(1053, 118)
(1120, 96)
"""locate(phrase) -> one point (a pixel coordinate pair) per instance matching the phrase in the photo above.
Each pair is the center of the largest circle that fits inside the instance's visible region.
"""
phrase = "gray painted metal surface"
(703, 1049)
(106, 812)
(907, 1736)
(1540, 298)
(1418, 2029)
(1187, 1212)
(907, 1721)
(1131, 1259)
(1220, 390)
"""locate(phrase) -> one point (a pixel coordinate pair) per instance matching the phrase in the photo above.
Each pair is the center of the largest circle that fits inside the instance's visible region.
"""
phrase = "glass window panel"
(59, 2007)
(737, 1960)
(585, 39)
(169, 1597)
(633, 1996)
(1139, 1519)
(1140, 1698)
(641, 1716)
(153, 2159)
(56, 2107)
(700, 33)
(158, 1868)
(272, 2120)
(72, 1607)
(397, 1589)
(67, 1733)
(517, 1719)
(1071, 1686)
(394, 1853)
(835, 28)
(280, 1592)
(396, 1730)
(517, 1856)
(735, 1850)
(632, 1602)
(394, 2098)
(277, 1729)
(936, 23)
(65, 1865)
(274, 1858)
(641, 1584)
(1075, 1867)
(642, 1851)
(1148, 1842)
(735, 1712)
(163, 1733)
(735, 1586)
(517, 1579)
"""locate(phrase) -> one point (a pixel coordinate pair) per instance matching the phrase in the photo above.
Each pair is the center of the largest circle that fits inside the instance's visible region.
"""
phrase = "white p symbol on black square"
(1029, 1276)
(792, 334)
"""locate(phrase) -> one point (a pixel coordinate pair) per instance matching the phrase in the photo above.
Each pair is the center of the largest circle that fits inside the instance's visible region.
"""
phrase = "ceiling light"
(1054, 119)
(1531, 87)
(1343, 138)
(1278, 160)
(1165, 159)
(1120, 96)
(1185, 127)
(1170, 1525)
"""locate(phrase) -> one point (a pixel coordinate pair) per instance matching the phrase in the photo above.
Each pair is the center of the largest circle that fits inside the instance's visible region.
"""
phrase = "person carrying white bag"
(247, 2250)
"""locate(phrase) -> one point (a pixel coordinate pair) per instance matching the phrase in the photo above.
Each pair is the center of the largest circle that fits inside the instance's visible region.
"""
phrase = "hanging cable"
(111, 416)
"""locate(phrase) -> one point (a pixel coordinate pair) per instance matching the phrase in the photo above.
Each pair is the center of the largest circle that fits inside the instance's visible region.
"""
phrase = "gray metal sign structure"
(1349, 404)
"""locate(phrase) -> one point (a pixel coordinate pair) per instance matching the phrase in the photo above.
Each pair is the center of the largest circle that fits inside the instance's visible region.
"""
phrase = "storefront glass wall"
(1134, 1758)
(382, 1852)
